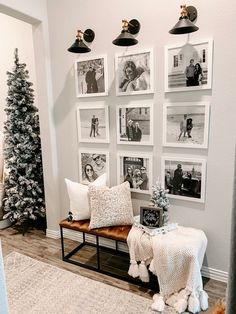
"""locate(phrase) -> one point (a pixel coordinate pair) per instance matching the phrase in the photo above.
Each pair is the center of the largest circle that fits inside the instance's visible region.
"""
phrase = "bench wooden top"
(118, 233)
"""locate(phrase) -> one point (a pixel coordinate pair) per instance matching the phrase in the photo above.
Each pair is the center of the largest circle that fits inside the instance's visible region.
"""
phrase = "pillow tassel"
(143, 272)
(133, 269)
(158, 304)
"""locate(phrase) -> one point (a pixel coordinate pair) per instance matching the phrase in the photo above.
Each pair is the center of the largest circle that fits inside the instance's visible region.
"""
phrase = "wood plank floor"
(36, 245)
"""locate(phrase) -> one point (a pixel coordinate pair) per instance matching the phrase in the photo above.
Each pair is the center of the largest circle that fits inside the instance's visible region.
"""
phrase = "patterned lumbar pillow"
(79, 200)
(110, 206)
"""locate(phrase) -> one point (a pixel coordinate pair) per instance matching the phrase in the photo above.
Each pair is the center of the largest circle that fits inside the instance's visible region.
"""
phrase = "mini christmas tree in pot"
(160, 199)
(24, 190)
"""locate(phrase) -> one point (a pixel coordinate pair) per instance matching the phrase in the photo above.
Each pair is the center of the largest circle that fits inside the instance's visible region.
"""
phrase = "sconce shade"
(185, 25)
(79, 47)
(125, 39)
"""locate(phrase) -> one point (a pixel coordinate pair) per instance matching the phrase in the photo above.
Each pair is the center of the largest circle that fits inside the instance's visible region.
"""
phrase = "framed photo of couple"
(91, 76)
(93, 123)
(189, 66)
(134, 73)
(186, 124)
(93, 164)
(184, 178)
(136, 168)
(135, 123)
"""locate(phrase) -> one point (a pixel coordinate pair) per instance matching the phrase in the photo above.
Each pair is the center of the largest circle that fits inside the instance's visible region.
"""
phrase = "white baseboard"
(207, 272)
(53, 234)
(215, 274)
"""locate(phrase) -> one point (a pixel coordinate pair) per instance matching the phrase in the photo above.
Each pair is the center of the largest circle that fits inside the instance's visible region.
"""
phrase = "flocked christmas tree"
(24, 191)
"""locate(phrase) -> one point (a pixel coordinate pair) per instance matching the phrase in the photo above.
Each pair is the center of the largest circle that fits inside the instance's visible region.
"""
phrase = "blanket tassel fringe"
(158, 304)
(133, 269)
(143, 272)
(203, 300)
(193, 303)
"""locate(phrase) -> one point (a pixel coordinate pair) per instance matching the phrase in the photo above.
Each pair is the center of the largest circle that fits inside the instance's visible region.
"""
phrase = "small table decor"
(160, 200)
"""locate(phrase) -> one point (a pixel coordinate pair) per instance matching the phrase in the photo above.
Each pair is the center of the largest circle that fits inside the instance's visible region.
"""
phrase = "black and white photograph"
(186, 125)
(188, 66)
(135, 124)
(91, 76)
(184, 178)
(93, 123)
(134, 73)
(136, 168)
(92, 164)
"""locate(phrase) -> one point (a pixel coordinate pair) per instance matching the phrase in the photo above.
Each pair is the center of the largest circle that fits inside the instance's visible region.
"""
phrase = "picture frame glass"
(93, 123)
(91, 76)
(184, 178)
(151, 217)
(135, 124)
(92, 165)
(186, 125)
(134, 73)
(188, 66)
(137, 170)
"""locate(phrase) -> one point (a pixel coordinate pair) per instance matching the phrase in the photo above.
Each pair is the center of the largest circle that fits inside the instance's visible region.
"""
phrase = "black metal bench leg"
(98, 253)
(62, 244)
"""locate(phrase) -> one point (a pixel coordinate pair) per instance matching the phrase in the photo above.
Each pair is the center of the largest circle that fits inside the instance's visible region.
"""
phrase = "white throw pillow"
(110, 206)
(79, 200)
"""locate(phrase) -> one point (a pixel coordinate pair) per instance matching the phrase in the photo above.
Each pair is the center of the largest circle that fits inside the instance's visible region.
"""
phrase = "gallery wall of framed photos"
(210, 105)
(184, 124)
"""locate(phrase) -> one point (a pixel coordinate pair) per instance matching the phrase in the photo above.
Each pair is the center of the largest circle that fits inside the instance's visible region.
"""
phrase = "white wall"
(14, 34)
(104, 17)
(35, 13)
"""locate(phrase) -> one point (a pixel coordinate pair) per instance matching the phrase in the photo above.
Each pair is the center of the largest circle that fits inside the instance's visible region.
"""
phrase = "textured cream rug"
(36, 287)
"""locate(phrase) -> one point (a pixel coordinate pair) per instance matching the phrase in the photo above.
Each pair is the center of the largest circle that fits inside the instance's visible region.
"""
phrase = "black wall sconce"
(185, 25)
(126, 37)
(79, 46)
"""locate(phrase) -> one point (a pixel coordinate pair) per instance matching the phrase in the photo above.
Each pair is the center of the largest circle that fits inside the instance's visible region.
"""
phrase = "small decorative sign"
(151, 217)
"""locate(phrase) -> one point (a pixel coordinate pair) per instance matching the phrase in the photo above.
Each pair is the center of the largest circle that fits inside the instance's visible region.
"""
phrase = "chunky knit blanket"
(176, 258)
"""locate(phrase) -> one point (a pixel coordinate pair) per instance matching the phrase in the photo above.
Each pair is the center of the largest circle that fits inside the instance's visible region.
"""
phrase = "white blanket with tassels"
(176, 258)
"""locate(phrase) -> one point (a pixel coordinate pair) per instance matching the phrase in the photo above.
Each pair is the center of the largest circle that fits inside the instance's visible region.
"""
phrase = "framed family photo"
(93, 123)
(91, 76)
(186, 124)
(135, 124)
(136, 168)
(189, 66)
(134, 73)
(92, 164)
(184, 178)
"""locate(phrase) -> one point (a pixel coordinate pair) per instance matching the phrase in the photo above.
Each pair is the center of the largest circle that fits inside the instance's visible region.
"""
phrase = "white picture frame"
(91, 76)
(90, 157)
(187, 185)
(134, 73)
(93, 123)
(180, 75)
(139, 182)
(135, 123)
(186, 124)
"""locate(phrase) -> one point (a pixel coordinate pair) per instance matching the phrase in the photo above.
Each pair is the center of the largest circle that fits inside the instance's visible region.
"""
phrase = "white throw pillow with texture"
(110, 206)
(79, 199)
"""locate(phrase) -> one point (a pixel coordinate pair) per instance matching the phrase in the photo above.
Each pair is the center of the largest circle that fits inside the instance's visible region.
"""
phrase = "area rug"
(36, 287)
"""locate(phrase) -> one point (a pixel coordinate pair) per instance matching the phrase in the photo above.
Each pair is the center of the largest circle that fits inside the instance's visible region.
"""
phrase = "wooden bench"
(116, 233)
